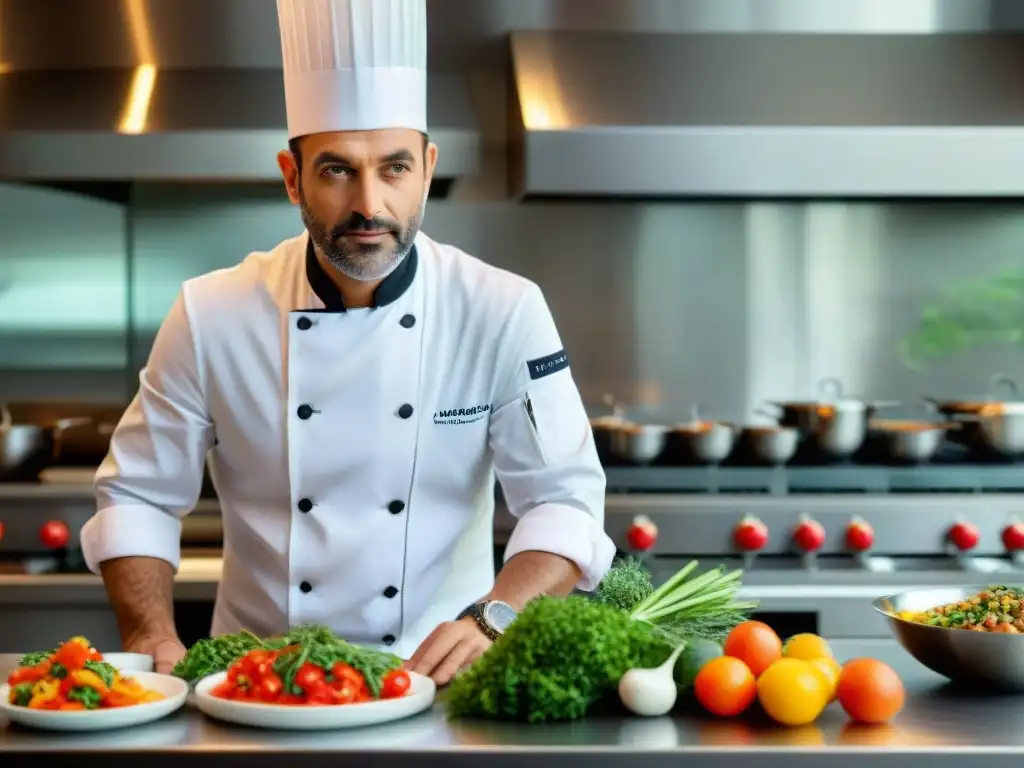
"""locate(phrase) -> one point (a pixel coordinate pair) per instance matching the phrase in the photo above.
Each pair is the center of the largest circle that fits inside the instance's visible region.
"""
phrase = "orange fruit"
(870, 691)
(831, 669)
(806, 646)
(725, 687)
(793, 692)
(755, 644)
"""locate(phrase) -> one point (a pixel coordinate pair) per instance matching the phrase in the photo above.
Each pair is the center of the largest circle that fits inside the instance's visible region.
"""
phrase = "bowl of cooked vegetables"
(968, 634)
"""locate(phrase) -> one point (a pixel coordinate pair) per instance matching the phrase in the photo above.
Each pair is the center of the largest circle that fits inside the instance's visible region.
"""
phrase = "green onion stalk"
(704, 606)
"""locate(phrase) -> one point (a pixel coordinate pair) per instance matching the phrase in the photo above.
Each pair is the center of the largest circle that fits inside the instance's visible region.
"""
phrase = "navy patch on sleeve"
(545, 366)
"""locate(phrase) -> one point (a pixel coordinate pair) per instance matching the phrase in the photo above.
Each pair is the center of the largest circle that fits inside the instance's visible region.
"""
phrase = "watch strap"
(476, 612)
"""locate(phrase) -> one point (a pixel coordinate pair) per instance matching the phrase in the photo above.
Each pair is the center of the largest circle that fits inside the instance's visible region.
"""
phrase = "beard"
(363, 261)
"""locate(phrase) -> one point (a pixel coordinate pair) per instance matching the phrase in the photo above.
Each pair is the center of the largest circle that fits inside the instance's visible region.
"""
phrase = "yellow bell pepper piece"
(90, 679)
(80, 641)
(42, 692)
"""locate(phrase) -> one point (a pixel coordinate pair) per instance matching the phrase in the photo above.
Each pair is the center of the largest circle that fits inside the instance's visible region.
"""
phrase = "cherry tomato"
(269, 687)
(309, 676)
(72, 656)
(55, 534)
(396, 684)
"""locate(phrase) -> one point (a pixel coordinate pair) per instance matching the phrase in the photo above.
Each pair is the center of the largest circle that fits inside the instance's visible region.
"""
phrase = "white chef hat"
(354, 65)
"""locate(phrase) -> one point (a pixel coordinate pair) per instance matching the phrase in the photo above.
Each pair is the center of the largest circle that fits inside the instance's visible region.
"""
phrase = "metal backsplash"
(48, 34)
(662, 305)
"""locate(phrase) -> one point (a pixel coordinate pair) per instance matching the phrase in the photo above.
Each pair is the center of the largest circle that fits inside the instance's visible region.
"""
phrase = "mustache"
(359, 223)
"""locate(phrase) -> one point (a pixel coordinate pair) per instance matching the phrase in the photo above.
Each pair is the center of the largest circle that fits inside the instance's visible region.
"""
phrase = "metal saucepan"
(704, 442)
(836, 426)
(967, 410)
(772, 445)
(605, 427)
(1001, 428)
(638, 443)
(28, 448)
(911, 440)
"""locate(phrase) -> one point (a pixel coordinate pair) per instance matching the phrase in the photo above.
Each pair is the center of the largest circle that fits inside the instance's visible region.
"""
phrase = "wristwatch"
(493, 616)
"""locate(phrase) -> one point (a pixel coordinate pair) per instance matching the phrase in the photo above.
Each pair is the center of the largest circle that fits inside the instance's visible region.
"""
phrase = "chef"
(355, 392)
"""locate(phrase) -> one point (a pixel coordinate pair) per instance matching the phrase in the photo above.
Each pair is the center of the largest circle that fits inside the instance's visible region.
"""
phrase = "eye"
(334, 170)
(397, 169)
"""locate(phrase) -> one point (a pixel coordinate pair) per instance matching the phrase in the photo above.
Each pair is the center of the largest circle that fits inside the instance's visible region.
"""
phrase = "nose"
(367, 197)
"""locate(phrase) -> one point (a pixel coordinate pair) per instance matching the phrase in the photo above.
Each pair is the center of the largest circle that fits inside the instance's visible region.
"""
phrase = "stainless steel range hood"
(145, 123)
(767, 115)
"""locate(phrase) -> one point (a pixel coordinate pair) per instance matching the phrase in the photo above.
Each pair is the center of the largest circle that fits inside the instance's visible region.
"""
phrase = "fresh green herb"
(704, 606)
(316, 644)
(625, 586)
(563, 656)
(22, 694)
(103, 670)
(322, 648)
(35, 659)
(90, 697)
(58, 670)
(215, 654)
(558, 659)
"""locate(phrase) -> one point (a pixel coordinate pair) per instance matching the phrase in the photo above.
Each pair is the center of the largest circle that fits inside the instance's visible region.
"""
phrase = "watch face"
(499, 615)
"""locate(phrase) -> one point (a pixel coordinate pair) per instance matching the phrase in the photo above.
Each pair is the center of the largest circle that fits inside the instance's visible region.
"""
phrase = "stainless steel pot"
(842, 428)
(967, 411)
(706, 442)
(26, 449)
(909, 440)
(772, 445)
(1001, 428)
(638, 443)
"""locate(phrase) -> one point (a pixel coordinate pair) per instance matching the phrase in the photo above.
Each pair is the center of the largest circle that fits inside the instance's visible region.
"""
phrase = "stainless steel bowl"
(987, 660)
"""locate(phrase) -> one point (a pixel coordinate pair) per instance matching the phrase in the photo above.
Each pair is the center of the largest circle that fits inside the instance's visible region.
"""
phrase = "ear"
(290, 174)
(430, 158)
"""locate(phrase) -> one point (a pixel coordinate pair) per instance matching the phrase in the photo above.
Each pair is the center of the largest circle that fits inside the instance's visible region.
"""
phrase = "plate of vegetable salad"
(75, 689)
(314, 686)
(999, 609)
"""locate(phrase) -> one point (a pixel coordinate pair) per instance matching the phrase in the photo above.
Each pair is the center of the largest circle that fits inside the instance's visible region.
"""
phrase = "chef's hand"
(449, 648)
(166, 651)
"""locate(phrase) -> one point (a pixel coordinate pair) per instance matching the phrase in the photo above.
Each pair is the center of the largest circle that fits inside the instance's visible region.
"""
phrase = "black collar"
(390, 289)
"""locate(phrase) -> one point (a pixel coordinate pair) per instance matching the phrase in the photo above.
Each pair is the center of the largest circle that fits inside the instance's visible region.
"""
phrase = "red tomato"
(396, 684)
(309, 676)
(55, 534)
(73, 656)
(269, 687)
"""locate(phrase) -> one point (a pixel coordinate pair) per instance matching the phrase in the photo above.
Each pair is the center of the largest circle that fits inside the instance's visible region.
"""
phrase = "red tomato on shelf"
(55, 534)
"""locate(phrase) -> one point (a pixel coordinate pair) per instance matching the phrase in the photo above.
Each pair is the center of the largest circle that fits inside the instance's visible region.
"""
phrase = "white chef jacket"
(354, 451)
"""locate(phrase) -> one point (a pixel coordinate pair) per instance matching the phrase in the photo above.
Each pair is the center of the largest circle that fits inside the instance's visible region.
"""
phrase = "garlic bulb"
(650, 692)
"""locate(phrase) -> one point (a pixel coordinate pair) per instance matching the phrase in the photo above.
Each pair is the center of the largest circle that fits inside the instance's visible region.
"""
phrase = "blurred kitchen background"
(724, 201)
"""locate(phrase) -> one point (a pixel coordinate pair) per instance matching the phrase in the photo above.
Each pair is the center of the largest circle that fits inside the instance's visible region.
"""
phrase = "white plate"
(298, 718)
(172, 688)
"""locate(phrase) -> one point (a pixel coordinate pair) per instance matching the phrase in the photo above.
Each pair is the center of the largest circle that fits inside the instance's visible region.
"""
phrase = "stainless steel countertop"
(939, 725)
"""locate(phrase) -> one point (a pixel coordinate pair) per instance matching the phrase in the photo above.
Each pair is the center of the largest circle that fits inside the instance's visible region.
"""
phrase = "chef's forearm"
(141, 592)
(529, 574)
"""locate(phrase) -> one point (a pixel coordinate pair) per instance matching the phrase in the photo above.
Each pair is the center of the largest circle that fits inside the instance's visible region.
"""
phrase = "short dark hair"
(294, 148)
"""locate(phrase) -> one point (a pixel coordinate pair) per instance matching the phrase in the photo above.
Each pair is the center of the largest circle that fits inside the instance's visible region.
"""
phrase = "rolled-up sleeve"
(153, 471)
(544, 452)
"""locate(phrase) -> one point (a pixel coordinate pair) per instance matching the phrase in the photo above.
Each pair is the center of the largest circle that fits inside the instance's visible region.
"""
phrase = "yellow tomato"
(793, 692)
(806, 646)
(831, 669)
